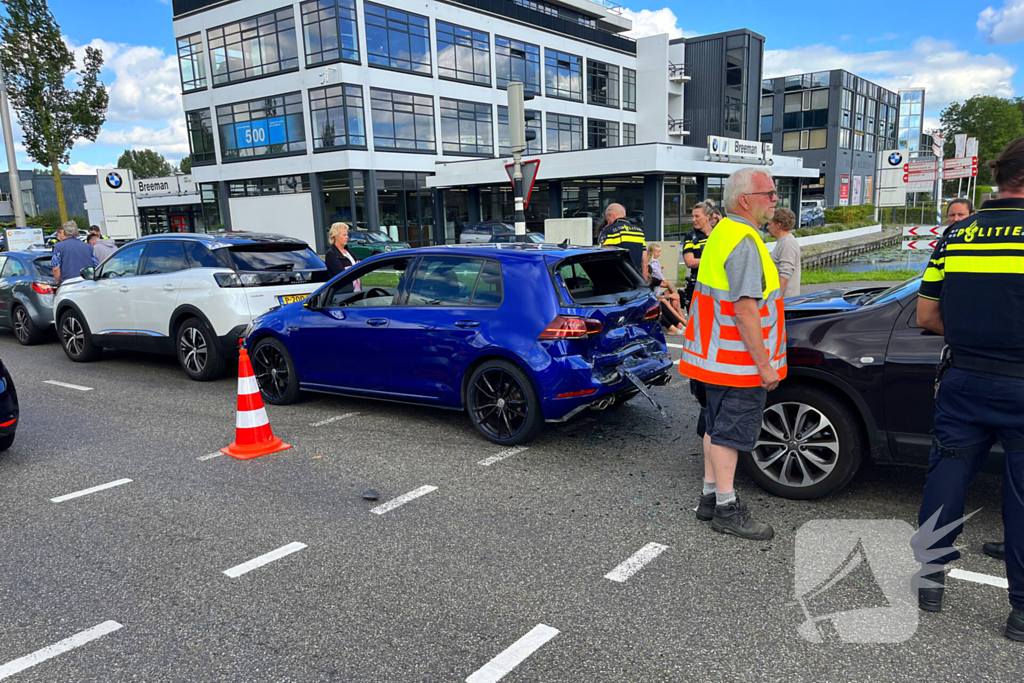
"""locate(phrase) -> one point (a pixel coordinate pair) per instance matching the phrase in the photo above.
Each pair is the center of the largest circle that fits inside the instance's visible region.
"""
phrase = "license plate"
(643, 389)
(292, 298)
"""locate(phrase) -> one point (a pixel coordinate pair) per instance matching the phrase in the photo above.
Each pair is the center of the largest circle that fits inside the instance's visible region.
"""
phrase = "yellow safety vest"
(713, 351)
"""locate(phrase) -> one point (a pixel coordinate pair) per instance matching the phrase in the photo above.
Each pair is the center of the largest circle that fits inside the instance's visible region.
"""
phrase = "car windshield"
(895, 292)
(378, 237)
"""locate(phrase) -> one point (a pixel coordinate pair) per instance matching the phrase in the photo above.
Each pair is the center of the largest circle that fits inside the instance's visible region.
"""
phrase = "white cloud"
(1003, 25)
(145, 85)
(884, 38)
(170, 140)
(82, 168)
(931, 122)
(948, 74)
(648, 23)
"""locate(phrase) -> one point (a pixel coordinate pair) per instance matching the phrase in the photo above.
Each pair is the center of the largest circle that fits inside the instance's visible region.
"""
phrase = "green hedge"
(849, 214)
(911, 215)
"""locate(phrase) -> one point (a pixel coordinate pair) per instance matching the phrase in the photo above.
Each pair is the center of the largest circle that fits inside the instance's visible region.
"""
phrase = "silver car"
(27, 288)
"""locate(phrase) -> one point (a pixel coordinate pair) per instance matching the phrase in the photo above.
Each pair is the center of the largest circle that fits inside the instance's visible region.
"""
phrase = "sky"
(953, 49)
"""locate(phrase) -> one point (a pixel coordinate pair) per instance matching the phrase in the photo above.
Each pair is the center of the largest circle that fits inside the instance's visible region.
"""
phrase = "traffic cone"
(253, 436)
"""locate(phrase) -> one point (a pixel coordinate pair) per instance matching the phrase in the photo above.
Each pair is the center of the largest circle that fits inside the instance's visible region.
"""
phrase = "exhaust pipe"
(603, 403)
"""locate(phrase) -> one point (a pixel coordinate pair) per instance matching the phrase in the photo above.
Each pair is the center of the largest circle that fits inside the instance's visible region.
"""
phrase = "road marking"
(86, 492)
(402, 500)
(246, 567)
(979, 578)
(507, 453)
(67, 386)
(210, 456)
(329, 420)
(673, 346)
(495, 670)
(636, 562)
(51, 651)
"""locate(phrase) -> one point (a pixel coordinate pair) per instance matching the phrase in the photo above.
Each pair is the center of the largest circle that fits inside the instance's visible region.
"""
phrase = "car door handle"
(123, 288)
(377, 322)
(169, 288)
(467, 323)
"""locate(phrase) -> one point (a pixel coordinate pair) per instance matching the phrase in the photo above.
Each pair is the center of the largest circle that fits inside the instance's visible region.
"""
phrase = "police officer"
(623, 234)
(973, 293)
(705, 216)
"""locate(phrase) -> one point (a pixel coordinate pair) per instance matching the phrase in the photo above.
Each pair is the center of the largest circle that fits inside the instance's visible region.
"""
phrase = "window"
(463, 54)
(629, 134)
(270, 126)
(402, 121)
(199, 256)
(804, 139)
(602, 134)
(466, 128)
(767, 105)
(261, 187)
(819, 99)
(817, 139)
(532, 147)
(165, 257)
(845, 119)
(860, 104)
(794, 83)
(200, 137)
(387, 275)
(858, 141)
(820, 79)
(191, 63)
(446, 281)
(258, 46)
(397, 40)
(517, 61)
(768, 86)
(628, 89)
(563, 74)
(329, 31)
(13, 268)
(124, 263)
(847, 100)
(602, 83)
(793, 103)
(766, 124)
(338, 119)
(564, 132)
(869, 143)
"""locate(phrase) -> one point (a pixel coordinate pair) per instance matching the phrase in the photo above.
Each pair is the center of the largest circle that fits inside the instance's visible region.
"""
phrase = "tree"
(995, 121)
(36, 64)
(145, 163)
(186, 165)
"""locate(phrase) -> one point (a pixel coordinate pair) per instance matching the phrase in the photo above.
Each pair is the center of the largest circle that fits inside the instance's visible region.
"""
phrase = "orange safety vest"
(713, 351)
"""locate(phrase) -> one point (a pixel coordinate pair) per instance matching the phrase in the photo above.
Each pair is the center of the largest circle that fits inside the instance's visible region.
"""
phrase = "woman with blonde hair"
(339, 258)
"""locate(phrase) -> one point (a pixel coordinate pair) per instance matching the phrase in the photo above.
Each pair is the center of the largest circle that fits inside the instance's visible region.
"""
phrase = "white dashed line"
(673, 346)
(49, 652)
(508, 452)
(329, 420)
(979, 578)
(258, 562)
(86, 492)
(211, 456)
(402, 500)
(636, 562)
(517, 652)
(67, 386)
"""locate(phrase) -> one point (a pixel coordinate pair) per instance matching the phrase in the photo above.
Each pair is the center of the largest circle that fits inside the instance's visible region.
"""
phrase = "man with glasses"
(735, 345)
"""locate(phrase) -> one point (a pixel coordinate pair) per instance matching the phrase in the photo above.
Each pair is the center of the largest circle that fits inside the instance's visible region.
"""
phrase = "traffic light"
(518, 117)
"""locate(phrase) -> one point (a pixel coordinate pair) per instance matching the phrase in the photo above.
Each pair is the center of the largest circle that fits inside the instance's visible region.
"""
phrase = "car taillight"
(653, 312)
(42, 287)
(571, 327)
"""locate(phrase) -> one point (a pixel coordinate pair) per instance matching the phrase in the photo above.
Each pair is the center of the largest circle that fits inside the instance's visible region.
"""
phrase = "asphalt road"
(435, 589)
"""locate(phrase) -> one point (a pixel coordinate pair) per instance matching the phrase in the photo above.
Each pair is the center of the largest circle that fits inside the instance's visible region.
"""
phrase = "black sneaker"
(996, 550)
(733, 518)
(1015, 625)
(930, 591)
(706, 508)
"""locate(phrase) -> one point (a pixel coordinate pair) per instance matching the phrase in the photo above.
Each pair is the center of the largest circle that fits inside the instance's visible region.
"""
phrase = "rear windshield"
(44, 266)
(279, 263)
(606, 278)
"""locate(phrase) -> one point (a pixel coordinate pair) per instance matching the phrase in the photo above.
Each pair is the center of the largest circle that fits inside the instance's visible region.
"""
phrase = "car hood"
(828, 301)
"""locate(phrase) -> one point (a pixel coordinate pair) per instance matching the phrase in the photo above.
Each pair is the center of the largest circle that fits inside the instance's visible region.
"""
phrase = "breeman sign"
(731, 149)
(169, 186)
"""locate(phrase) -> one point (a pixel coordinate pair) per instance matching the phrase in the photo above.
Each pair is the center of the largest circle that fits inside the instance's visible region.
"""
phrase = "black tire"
(6, 442)
(275, 372)
(25, 331)
(76, 339)
(825, 460)
(507, 385)
(197, 350)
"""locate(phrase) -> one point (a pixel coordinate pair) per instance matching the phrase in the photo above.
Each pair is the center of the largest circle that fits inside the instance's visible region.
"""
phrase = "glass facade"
(344, 199)
(337, 117)
(532, 147)
(212, 221)
(517, 61)
(466, 128)
(629, 134)
(563, 75)
(405, 206)
(602, 134)
(259, 46)
(262, 187)
(397, 40)
(271, 126)
(628, 89)
(564, 132)
(200, 137)
(463, 54)
(329, 31)
(191, 63)
(602, 84)
(402, 121)
(736, 58)
(681, 194)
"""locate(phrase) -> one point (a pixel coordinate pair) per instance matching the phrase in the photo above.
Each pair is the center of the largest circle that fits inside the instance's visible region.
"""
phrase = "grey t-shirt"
(743, 268)
(786, 256)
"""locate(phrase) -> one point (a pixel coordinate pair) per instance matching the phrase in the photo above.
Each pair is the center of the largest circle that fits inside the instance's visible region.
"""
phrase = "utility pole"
(519, 135)
(12, 159)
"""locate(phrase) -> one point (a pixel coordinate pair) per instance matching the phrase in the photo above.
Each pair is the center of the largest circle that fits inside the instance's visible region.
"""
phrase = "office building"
(835, 121)
(317, 111)
(911, 123)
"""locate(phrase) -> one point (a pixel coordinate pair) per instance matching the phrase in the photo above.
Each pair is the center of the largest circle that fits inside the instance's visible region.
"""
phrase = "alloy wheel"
(498, 403)
(73, 335)
(271, 370)
(21, 323)
(193, 350)
(798, 445)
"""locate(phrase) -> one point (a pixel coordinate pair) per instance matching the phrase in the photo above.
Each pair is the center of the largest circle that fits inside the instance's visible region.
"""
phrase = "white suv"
(186, 294)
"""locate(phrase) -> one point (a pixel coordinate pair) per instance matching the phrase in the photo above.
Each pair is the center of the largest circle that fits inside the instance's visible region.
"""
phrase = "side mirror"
(88, 273)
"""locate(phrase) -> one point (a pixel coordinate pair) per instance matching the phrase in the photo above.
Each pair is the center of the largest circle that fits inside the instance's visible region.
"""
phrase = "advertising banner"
(21, 239)
(844, 190)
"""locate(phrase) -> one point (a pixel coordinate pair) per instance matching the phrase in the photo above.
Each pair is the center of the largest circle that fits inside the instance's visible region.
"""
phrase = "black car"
(860, 384)
(8, 409)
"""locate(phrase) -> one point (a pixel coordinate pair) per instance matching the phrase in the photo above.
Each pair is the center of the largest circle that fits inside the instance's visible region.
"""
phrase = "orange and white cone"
(253, 436)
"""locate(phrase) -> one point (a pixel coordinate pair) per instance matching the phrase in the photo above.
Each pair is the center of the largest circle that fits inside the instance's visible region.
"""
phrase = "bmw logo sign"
(895, 159)
(714, 145)
(114, 180)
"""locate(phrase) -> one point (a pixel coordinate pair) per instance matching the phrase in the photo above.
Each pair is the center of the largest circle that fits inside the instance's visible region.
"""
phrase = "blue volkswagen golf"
(515, 334)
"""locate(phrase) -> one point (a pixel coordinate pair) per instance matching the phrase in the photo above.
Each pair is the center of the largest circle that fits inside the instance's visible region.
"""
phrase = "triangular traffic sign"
(530, 169)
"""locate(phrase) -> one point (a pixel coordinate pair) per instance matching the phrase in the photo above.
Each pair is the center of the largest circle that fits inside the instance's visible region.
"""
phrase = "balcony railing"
(679, 73)
(678, 126)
